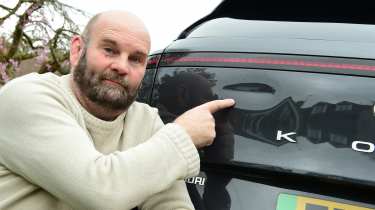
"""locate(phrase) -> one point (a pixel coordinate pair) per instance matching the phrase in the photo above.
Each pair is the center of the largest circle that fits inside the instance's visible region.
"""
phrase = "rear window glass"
(304, 122)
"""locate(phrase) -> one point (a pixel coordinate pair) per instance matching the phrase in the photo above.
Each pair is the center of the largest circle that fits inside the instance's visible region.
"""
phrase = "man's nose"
(121, 66)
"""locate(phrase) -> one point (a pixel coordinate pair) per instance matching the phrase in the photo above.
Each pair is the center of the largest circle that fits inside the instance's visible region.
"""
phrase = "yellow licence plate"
(295, 202)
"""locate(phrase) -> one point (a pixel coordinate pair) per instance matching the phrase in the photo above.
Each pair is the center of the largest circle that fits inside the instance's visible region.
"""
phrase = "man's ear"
(76, 49)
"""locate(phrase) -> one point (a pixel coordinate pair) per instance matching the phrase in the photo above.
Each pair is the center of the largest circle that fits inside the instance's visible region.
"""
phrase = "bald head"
(123, 18)
(109, 61)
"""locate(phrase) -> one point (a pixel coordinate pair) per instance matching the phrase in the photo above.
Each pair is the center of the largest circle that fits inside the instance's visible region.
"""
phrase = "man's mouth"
(113, 82)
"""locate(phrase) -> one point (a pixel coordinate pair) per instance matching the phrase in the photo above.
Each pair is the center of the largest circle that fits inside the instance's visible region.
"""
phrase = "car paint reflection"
(248, 135)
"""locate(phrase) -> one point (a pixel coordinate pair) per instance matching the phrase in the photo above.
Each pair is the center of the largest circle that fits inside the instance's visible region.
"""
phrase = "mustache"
(115, 78)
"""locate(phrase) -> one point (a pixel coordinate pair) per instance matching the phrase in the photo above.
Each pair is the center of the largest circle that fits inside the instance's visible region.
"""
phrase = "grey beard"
(90, 84)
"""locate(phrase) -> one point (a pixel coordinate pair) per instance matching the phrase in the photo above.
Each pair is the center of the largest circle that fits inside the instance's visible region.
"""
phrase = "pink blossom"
(49, 67)
(42, 56)
(2, 43)
(15, 64)
(29, 12)
(66, 63)
(3, 66)
(3, 73)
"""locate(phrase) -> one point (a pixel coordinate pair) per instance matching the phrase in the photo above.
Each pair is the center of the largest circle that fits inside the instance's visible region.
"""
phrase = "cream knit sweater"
(56, 155)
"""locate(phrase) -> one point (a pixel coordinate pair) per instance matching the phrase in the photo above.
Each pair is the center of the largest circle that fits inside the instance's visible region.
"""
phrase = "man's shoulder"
(31, 82)
(32, 89)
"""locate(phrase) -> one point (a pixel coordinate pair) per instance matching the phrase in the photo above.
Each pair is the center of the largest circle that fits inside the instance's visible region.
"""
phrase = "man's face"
(92, 83)
(112, 66)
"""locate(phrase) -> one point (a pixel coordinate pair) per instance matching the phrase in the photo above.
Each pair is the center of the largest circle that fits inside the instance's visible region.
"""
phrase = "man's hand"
(199, 122)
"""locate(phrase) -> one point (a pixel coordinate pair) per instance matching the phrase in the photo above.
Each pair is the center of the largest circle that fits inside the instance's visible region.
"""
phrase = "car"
(301, 135)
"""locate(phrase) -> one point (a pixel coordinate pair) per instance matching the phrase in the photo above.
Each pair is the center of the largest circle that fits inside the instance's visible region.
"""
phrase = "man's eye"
(136, 59)
(109, 50)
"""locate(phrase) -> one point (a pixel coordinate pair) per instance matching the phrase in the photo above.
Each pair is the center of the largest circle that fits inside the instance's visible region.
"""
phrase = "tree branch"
(28, 40)
(10, 10)
(18, 32)
(55, 62)
(34, 26)
(5, 8)
(25, 56)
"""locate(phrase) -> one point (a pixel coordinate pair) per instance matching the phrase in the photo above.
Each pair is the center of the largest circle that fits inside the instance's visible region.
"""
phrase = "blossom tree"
(40, 30)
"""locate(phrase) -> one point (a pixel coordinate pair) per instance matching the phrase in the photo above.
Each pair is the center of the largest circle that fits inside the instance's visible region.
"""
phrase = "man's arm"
(41, 141)
(174, 198)
(199, 123)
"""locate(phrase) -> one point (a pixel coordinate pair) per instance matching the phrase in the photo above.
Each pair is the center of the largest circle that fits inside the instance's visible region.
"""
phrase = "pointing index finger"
(216, 105)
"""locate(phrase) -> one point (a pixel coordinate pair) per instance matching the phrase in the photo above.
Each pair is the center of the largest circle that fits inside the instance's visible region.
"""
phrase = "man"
(80, 142)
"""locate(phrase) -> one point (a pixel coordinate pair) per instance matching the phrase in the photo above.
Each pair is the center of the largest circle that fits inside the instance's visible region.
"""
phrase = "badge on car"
(295, 202)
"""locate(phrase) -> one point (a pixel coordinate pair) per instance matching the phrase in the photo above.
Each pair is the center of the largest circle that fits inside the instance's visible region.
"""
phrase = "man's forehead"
(121, 31)
(125, 40)
(121, 20)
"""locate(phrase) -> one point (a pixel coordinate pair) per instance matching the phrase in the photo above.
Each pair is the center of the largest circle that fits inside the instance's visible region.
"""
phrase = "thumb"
(216, 105)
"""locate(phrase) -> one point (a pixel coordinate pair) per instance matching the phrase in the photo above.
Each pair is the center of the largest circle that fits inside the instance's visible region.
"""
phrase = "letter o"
(371, 146)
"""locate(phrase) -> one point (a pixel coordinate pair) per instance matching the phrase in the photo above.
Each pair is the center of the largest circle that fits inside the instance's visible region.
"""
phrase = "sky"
(165, 19)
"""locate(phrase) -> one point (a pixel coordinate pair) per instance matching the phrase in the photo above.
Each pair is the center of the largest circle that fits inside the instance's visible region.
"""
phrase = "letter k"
(285, 136)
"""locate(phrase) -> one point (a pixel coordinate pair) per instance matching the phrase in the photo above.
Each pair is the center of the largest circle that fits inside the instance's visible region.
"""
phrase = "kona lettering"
(359, 146)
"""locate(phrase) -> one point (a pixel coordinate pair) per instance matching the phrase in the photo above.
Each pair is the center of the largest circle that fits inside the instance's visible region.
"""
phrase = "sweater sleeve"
(174, 198)
(41, 141)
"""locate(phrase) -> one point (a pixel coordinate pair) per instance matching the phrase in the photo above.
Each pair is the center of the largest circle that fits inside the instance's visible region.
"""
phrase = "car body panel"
(303, 125)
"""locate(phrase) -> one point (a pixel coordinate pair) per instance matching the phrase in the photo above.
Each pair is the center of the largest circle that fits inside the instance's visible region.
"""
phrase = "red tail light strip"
(269, 61)
(153, 61)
